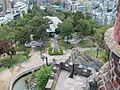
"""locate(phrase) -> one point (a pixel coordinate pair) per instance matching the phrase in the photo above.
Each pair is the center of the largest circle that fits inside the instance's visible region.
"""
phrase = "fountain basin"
(22, 75)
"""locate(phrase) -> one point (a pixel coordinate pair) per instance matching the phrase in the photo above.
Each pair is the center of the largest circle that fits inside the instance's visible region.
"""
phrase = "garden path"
(7, 75)
(34, 60)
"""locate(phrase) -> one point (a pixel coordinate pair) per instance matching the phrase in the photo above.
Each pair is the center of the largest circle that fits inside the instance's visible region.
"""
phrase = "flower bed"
(50, 51)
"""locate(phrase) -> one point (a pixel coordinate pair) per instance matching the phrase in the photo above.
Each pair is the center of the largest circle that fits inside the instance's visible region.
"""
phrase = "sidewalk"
(35, 60)
(7, 75)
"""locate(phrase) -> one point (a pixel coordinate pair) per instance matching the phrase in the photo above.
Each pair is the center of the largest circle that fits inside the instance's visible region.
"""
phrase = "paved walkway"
(35, 60)
(7, 75)
(75, 83)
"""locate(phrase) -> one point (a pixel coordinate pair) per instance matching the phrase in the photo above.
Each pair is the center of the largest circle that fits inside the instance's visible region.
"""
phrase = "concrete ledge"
(22, 74)
(49, 84)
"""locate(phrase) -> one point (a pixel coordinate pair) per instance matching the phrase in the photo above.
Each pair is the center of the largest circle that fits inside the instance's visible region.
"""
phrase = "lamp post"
(97, 52)
(72, 73)
(46, 59)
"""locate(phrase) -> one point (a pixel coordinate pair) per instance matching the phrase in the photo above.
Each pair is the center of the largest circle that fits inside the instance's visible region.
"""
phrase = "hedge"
(50, 51)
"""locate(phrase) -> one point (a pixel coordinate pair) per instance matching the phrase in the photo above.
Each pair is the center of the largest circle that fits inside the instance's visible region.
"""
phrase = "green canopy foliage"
(66, 28)
(31, 23)
(42, 76)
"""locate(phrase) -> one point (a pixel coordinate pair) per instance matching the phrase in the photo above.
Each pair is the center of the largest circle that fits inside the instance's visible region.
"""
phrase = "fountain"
(20, 83)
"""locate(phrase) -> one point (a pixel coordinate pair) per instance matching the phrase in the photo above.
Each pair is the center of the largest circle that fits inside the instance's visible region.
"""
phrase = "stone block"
(118, 80)
(117, 71)
(108, 85)
(108, 77)
(100, 83)
(99, 78)
(114, 83)
(114, 56)
(102, 88)
(49, 84)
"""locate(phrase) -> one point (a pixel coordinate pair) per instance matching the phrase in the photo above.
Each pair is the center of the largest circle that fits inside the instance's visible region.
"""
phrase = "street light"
(97, 52)
(46, 59)
(72, 73)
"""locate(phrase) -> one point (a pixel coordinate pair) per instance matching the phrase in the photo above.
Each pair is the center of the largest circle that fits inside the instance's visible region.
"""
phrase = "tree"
(42, 76)
(36, 11)
(6, 33)
(93, 25)
(83, 27)
(87, 16)
(39, 27)
(99, 35)
(66, 28)
(51, 12)
(77, 16)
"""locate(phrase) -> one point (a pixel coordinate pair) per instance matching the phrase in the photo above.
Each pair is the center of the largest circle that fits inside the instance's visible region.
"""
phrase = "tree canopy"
(66, 28)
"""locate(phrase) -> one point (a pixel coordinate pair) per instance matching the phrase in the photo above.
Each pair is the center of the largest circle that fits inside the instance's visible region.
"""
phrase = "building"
(71, 5)
(103, 11)
(6, 5)
(19, 7)
(53, 23)
(15, 11)
(49, 2)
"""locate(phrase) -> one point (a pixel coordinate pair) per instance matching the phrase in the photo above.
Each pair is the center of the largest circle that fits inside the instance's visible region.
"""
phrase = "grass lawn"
(65, 45)
(14, 60)
(101, 54)
(2, 69)
(20, 47)
(86, 43)
(46, 44)
(50, 51)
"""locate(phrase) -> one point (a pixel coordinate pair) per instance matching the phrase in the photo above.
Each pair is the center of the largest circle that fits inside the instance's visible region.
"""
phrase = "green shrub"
(43, 76)
(14, 60)
(102, 55)
(87, 43)
(50, 51)
(27, 52)
(21, 47)
(65, 45)
(2, 69)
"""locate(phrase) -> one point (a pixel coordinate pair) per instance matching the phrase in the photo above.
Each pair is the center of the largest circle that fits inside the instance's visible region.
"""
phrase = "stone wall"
(109, 74)
(117, 26)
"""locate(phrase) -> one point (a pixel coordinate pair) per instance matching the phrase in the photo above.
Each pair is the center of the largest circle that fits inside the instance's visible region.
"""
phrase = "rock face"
(84, 65)
(109, 75)
(86, 61)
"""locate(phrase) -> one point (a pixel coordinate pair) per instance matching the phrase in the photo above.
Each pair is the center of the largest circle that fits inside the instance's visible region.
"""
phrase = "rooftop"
(54, 25)
(66, 83)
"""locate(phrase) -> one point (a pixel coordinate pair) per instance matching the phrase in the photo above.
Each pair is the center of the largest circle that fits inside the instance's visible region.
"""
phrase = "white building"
(71, 5)
(14, 12)
(8, 17)
(103, 11)
(53, 23)
(19, 7)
